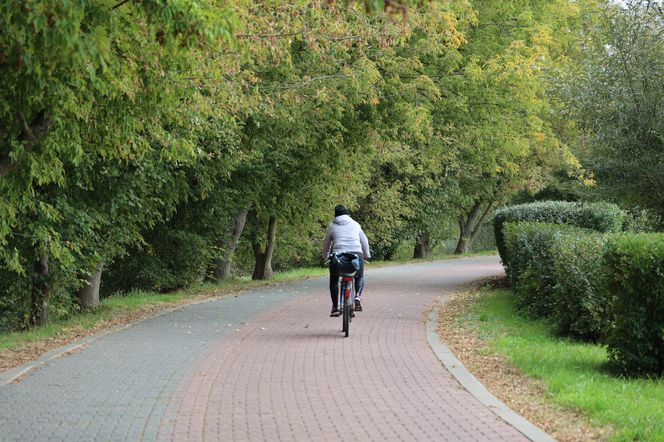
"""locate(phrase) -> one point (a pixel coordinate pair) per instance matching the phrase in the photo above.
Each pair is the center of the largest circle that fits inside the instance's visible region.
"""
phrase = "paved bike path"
(266, 365)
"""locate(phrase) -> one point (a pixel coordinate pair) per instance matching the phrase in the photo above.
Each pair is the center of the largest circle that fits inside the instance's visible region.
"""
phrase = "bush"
(530, 252)
(643, 221)
(635, 266)
(16, 292)
(602, 217)
(14, 301)
(173, 259)
(581, 298)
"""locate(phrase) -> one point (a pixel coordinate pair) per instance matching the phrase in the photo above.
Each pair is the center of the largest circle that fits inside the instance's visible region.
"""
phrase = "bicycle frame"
(346, 288)
(346, 294)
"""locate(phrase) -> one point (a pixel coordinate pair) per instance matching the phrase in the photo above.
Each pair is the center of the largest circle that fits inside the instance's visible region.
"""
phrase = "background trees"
(615, 94)
(167, 142)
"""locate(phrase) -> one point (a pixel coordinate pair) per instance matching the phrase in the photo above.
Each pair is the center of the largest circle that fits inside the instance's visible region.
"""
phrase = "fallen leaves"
(10, 358)
(524, 395)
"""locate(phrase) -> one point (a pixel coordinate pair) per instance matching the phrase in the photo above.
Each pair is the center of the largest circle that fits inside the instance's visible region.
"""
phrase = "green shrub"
(173, 259)
(530, 251)
(141, 270)
(16, 293)
(635, 268)
(602, 217)
(14, 301)
(581, 298)
(643, 221)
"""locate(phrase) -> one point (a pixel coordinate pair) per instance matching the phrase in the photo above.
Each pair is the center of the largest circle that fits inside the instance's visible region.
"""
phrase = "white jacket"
(345, 235)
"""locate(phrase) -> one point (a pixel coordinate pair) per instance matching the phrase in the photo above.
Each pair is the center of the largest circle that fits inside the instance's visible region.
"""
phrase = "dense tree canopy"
(165, 140)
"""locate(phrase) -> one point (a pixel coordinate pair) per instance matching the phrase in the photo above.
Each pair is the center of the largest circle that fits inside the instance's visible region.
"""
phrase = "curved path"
(267, 365)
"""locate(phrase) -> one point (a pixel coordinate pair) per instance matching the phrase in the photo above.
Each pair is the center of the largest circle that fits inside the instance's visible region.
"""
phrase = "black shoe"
(335, 312)
(358, 306)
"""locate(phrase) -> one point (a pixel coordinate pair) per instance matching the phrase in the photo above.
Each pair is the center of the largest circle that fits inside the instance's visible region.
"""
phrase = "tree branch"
(477, 227)
(31, 136)
(316, 35)
(120, 4)
(276, 34)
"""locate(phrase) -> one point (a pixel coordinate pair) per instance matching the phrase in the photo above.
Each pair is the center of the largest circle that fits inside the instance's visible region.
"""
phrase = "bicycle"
(347, 265)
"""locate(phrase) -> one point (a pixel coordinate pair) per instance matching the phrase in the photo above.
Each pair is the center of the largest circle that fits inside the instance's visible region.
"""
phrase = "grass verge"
(19, 347)
(574, 378)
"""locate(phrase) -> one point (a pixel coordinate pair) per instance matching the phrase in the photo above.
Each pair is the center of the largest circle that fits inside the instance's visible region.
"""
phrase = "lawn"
(122, 308)
(18, 347)
(577, 375)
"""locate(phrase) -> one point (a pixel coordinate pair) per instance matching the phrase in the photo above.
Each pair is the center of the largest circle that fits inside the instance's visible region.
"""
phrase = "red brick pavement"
(290, 374)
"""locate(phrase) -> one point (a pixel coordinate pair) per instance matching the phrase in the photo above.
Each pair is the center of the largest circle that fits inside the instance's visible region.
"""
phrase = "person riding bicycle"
(345, 235)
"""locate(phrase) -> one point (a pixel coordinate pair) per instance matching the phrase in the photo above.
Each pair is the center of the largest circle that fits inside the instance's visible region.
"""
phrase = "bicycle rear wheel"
(345, 311)
(346, 319)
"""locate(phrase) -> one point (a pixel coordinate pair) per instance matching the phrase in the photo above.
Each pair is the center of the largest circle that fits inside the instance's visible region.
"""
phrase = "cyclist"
(345, 235)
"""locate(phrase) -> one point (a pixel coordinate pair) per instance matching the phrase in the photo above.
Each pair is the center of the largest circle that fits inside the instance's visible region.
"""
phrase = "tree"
(304, 135)
(501, 127)
(85, 87)
(614, 95)
(413, 153)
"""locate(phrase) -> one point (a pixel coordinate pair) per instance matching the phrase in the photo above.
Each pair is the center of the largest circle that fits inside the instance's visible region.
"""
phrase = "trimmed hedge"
(635, 266)
(599, 287)
(581, 297)
(530, 250)
(601, 217)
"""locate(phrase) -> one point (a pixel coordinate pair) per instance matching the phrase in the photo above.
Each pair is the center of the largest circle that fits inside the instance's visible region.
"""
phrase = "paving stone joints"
(120, 384)
(266, 365)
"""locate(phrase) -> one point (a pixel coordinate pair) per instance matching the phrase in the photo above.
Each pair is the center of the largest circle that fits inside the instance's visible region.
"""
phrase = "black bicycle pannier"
(345, 263)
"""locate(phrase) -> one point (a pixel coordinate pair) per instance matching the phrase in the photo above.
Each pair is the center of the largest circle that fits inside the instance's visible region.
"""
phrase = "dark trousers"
(359, 282)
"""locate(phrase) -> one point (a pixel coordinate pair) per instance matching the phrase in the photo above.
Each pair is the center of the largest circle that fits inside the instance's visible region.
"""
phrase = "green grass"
(434, 257)
(115, 305)
(577, 375)
(109, 308)
(119, 304)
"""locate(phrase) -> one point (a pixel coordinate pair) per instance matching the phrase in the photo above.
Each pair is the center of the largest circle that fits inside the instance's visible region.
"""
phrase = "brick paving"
(266, 365)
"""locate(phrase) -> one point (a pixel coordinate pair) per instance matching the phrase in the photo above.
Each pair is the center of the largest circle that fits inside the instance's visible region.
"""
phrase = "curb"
(474, 387)
(15, 374)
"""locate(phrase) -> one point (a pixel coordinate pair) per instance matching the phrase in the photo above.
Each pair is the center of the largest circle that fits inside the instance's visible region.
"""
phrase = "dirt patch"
(524, 395)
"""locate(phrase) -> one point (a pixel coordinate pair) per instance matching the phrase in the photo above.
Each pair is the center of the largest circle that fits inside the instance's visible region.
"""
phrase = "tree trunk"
(259, 262)
(39, 295)
(470, 226)
(263, 255)
(422, 248)
(88, 295)
(223, 265)
(464, 237)
(271, 239)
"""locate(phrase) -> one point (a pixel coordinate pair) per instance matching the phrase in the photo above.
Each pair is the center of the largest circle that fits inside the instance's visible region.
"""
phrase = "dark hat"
(340, 210)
